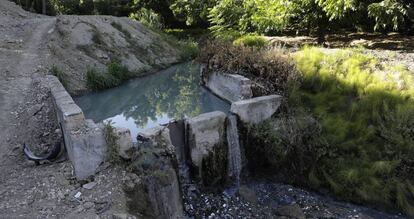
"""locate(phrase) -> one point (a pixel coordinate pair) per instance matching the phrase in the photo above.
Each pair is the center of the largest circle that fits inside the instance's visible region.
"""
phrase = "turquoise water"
(174, 93)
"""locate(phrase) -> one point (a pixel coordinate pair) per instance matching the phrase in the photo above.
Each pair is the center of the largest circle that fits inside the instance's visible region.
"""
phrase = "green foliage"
(193, 12)
(251, 41)
(59, 74)
(147, 17)
(188, 50)
(388, 14)
(366, 111)
(247, 16)
(115, 75)
(112, 142)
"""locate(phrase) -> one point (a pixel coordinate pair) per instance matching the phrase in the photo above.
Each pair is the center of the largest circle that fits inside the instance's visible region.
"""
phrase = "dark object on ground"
(56, 151)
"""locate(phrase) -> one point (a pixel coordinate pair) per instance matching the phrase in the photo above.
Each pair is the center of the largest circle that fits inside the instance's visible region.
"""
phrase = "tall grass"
(366, 110)
(348, 125)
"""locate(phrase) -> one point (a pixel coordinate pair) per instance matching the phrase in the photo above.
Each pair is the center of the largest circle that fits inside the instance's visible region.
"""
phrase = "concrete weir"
(84, 140)
(208, 144)
(231, 87)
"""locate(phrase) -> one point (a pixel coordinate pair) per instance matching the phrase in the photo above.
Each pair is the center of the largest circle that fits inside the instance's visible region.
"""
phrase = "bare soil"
(27, 116)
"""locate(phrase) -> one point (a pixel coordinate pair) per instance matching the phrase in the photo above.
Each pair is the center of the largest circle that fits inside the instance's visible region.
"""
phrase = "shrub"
(188, 50)
(251, 41)
(271, 69)
(114, 76)
(111, 140)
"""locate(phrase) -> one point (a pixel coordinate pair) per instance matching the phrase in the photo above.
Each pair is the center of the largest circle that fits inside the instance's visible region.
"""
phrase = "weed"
(121, 29)
(54, 70)
(97, 37)
(112, 142)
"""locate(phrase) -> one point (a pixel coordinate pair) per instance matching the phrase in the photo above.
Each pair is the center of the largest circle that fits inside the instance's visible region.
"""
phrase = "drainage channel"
(174, 93)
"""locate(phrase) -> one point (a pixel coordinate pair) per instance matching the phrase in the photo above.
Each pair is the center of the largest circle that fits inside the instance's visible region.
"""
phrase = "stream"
(174, 93)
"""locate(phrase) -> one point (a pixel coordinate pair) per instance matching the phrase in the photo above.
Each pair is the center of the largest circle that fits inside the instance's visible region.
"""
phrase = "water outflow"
(234, 153)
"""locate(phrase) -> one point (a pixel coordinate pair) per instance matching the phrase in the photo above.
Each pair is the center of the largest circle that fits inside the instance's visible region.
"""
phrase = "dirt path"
(26, 114)
(19, 63)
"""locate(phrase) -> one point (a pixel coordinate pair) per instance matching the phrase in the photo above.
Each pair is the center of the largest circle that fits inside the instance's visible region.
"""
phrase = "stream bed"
(174, 93)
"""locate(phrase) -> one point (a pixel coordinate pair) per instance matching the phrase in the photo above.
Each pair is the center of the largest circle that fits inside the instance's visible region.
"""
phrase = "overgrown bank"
(347, 124)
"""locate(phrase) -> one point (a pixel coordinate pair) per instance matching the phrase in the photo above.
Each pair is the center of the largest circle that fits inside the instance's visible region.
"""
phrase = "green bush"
(112, 142)
(251, 41)
(114, 76)
(366, 111)
(188, 49)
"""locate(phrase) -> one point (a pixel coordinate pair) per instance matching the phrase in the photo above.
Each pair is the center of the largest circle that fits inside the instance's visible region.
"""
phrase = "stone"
(123, 216)
(205, 133)
(177, 134)
(231, 87)
(159, 136)
(89, 186)
(157, 193)
(256, 110)
(291, 211)
(126, 147)
(247, 194)
(86, 150)
(84, 215)
(88, 205)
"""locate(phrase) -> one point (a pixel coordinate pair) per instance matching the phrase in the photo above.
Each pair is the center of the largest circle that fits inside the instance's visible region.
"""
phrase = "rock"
(86, 150)
(256, 110)
(157, 193)
(290, 211)
(77, 195)
(159, 136)
(85, 215)
(89, 186)
(123, 216)
(248, 194)
(206, 141)
(88, 205)
(124, 142)
(231, 87)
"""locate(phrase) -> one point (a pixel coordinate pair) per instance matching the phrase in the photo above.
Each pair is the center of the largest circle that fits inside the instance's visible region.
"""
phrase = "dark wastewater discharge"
(141, 103)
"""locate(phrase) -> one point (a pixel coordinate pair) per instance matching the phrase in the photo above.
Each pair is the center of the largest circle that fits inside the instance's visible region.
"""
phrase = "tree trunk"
(44, 6)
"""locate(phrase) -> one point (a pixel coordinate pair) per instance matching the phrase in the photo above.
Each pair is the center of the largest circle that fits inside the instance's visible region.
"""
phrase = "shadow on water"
(141, 103)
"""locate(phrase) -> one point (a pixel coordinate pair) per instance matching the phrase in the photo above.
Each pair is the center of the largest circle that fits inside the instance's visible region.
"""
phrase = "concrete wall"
(231, 87)
(257, 109)
(84, 140)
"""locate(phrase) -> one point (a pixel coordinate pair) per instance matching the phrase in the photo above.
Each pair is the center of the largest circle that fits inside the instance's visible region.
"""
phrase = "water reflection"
(146, 102)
